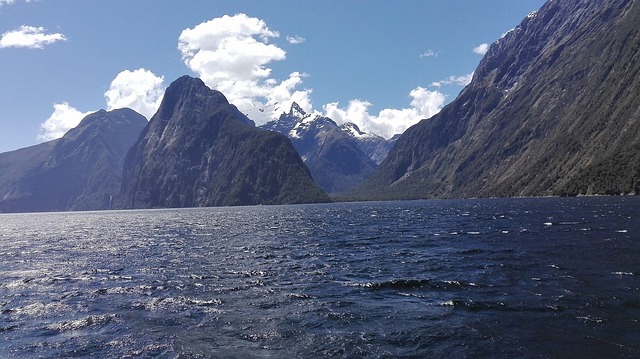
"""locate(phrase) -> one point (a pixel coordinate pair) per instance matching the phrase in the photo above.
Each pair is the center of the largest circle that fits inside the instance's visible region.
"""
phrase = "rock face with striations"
(553, 109)
(335, 159)
(80, 171)
(198, 150)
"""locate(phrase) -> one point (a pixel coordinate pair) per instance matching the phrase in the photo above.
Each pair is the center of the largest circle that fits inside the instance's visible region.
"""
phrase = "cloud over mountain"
(31, 37)
(140, 90)
(388, 122)
(232, 54)
(63, 118)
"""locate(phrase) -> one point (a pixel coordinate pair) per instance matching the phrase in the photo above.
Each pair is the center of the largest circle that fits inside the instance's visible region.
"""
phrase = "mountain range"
(80, 171)
(339, 157)
(199, 150)
(553, 109)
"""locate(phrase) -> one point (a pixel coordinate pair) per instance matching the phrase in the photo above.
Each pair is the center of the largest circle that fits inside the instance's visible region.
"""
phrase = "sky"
(383, 65)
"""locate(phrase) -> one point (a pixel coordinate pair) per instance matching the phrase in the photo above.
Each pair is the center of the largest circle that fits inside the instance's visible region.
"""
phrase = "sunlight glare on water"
(468, 278)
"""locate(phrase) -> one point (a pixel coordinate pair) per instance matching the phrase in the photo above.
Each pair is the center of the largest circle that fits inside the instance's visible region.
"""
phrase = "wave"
(69, 325)
(416, 283)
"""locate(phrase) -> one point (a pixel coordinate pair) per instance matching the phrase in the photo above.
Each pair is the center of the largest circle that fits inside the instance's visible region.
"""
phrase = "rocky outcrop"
(552, 110)
(198, 150)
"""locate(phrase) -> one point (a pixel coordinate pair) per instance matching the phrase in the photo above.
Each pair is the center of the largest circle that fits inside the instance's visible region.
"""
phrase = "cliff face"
(80, 171)
(552, 110)
(198, 151)
(335, 159)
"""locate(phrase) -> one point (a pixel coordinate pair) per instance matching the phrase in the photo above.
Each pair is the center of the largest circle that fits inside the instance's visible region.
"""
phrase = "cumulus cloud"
(388, 122)
(481, 49)
(140, 90)
(462, 80)
(231, 54)
(63, 118)
(30, 37)
(296, 40)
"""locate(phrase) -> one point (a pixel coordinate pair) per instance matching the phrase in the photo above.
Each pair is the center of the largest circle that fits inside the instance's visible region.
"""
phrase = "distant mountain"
(334, 157)
(376, 147)
(80, 171)
(552, 110)
(198, 150)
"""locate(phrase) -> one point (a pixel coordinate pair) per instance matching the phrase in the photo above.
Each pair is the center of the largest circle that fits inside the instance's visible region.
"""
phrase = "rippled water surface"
(530, 278)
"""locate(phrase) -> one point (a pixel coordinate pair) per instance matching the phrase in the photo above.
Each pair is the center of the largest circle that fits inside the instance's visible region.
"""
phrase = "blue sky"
(381, 64)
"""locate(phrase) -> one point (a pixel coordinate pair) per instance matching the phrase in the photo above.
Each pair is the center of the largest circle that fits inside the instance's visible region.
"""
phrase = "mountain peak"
(220, 157)
(296, 111)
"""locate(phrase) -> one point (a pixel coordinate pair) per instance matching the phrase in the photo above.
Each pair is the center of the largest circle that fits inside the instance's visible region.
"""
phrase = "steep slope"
(374, 146)
(80, 171)
(335, 160)
(199, 151)
(553, 109)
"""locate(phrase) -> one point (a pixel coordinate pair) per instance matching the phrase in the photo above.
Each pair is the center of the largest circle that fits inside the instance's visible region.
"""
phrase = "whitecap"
(621, 231)
(623, 273)
(69, 325)
(590, 319)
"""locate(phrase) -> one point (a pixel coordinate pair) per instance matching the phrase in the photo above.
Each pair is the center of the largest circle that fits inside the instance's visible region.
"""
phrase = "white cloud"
(429, 53)
(462, 80)
(481, 49)
(140, 90)
(30, 37)
(296, 40)
(11, 2)
(231, 54)
(63, 118)
(388, 122)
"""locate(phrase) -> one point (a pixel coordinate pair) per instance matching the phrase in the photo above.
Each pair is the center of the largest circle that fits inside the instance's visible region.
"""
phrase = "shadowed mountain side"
(80, 171)
(197, 152)
(334, 157)
(553, 109)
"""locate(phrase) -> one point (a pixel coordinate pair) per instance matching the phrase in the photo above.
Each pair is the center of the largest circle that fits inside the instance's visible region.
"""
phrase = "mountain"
(80, 171)
(552, 110)
(374, 146)
(335, 159)
(198, 150)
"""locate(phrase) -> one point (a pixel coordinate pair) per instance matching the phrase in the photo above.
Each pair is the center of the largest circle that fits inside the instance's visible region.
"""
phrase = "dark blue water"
(526, 278)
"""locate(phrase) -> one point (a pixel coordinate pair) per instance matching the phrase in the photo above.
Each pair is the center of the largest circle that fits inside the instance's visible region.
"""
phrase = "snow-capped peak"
(297, 111)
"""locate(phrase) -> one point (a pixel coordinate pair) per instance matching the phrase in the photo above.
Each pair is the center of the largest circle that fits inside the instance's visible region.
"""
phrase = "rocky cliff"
(80, 171)
(198, 150)
(553, 109)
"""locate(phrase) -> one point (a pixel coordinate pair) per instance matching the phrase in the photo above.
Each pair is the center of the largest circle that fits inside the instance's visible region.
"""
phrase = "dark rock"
(198, 150)
(552, 110)
(80, 171)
